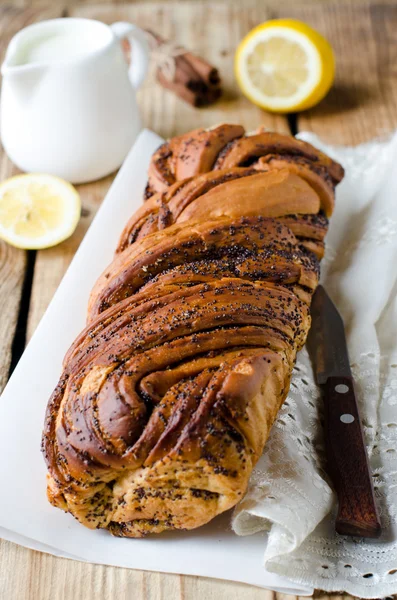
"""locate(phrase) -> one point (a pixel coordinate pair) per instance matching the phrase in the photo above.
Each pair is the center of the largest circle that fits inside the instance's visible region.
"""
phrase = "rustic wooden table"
(362, 104)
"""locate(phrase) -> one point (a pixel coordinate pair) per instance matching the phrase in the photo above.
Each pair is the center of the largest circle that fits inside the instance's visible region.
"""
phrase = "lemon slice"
(284, 66)
(37, 211)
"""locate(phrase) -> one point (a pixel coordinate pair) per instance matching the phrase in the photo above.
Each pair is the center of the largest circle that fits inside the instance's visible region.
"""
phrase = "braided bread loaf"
(168, 396)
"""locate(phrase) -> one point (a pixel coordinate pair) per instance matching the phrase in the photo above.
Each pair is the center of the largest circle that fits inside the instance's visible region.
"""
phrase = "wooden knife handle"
(348, 461)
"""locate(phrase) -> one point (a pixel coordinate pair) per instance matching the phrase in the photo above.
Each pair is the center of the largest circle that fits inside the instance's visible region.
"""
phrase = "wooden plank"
(12, 261)
(72, 3)
(36, 576)
(363, 103)
(12, 272)
(13, 264)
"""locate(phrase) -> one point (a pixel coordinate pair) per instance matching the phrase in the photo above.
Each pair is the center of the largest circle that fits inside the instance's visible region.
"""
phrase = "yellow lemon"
(37, 211)
(284, 66)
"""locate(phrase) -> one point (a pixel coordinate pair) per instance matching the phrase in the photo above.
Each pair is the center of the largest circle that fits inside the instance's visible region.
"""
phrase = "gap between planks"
(13, 262)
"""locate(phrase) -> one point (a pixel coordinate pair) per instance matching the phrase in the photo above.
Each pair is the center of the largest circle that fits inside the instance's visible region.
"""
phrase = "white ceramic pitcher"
(68, 102)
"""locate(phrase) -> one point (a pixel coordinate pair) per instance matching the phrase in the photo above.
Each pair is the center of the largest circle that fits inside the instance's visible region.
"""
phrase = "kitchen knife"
(345, 448)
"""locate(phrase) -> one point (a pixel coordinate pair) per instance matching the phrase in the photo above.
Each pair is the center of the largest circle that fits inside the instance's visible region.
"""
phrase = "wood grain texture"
(212, 30)
(73, 3)
(348, 462)
(12, 272)
(363, 102)
(12, 261)
(30, 575)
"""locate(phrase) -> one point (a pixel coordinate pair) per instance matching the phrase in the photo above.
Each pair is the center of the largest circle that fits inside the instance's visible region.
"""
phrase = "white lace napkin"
(289, 493)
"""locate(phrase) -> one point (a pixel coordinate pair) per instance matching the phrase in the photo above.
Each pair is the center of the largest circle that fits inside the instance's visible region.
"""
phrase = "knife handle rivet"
(341, 388)
(347, 418)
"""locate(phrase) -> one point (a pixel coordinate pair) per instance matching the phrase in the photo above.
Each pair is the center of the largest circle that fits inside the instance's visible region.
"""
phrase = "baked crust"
(168, 396)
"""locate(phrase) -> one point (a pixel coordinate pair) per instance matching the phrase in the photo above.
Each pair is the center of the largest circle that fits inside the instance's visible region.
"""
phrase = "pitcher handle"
(140, 50)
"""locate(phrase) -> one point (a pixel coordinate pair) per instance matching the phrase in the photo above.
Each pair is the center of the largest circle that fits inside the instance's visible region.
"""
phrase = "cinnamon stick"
(193, 79)
(194, 98)
(206, 71)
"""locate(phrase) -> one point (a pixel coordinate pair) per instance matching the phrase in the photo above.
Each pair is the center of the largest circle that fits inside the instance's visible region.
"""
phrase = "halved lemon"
(37, 211)
(284, 66)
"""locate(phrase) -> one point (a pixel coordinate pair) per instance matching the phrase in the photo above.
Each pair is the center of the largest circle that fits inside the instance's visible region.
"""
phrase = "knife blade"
(346, 453)
(327, 339)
